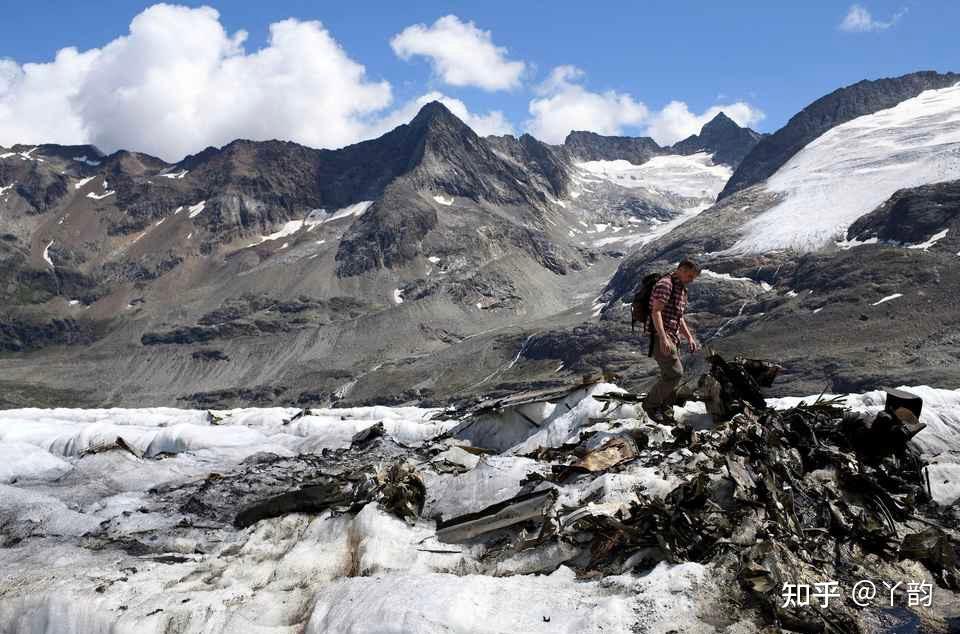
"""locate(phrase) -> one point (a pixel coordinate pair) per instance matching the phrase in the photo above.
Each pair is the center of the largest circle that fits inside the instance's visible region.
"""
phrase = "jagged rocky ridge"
(450, 234)
(497, 257)
(720, 137)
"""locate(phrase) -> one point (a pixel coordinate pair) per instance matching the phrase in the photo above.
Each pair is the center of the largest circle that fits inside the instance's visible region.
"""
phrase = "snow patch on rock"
(195, 210)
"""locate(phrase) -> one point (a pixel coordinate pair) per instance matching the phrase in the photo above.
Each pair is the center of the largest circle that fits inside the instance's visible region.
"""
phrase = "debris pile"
(809, 493)
(766, 498)
(396, 488)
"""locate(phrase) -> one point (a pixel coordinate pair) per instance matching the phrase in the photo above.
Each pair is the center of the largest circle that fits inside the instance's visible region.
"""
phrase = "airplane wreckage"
(774, 496)
(769, 497)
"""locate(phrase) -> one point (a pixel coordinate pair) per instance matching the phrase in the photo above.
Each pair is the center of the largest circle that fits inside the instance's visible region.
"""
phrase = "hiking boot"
(662, 415)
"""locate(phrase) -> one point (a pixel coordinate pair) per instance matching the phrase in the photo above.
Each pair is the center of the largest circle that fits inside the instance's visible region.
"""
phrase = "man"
(668, 302)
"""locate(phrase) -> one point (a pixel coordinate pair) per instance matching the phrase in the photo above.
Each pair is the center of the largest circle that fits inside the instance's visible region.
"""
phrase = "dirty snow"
(46, 254)
(476, 604)
(660, 228)
(83, 181)
(944, 480)
(84, 159)
(194, 210)
(932, 241)
(941, 414)
(288, 229)
(887, 299)
(732, 278)
(850, 244)
(597, 308)
(356, 209)
(854, 167)
(291, 573)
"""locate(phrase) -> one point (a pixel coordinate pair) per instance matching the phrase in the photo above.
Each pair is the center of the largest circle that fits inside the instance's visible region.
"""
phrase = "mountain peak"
(434, 113)
(719, 122)
(721, 136)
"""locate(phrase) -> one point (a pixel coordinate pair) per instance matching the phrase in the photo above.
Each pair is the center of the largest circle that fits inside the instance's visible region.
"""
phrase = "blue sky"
(772, 57)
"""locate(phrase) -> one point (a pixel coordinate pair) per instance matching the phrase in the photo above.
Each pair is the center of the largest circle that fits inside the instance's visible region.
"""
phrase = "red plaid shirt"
(674, 304)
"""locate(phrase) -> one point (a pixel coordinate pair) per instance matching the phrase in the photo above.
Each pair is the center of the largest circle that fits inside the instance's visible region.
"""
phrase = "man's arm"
(691, 340)
(665, 343)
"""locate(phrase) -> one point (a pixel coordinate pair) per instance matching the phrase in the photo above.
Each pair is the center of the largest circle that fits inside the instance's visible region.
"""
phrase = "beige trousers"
(664, 391)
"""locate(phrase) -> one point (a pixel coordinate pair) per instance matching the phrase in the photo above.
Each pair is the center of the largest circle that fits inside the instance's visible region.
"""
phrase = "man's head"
(687, 271)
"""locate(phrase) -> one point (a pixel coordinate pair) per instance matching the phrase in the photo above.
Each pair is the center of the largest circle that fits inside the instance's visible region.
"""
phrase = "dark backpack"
(640, 310)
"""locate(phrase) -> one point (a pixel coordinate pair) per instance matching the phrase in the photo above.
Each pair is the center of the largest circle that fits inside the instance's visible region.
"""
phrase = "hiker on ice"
(668, 302)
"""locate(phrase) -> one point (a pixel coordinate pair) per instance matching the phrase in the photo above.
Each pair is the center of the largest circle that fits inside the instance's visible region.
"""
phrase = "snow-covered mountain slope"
(694, 177)
(854, 167)
(619, 204)
(840, 106)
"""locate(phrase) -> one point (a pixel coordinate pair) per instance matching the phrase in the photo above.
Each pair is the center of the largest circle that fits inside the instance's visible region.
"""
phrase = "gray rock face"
(40, 188)
(549, 167)
(451, 161)
(913, 216)
(722, 137)
(238, 250)
(842, 105)
(590, 146)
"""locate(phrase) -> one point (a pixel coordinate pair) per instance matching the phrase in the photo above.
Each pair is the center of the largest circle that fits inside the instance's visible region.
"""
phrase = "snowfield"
(854, 167)
(686, 184)
(96, 537)
(693, 176)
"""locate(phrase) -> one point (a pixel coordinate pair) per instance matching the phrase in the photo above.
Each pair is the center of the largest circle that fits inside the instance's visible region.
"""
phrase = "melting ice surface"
(693, 176)
(854, 167)
(77, 515)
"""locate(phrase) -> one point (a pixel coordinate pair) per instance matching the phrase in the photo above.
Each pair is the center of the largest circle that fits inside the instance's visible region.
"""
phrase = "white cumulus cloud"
(179, 82)
(675, 122)
(564, 104)
(35, 99)
(461, 54)
(859, 20)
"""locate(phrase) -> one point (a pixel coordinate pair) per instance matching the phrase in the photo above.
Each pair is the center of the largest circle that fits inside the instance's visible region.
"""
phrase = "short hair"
(690, 265)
